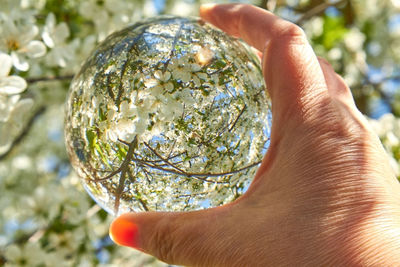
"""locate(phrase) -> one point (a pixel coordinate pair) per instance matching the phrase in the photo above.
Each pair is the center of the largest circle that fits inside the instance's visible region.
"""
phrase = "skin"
(324, 194)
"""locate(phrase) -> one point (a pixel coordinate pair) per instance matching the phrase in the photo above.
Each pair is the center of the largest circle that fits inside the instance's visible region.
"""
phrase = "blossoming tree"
(47, 218)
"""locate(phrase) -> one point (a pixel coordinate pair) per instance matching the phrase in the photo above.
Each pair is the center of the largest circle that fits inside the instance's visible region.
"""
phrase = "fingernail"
(124, 233)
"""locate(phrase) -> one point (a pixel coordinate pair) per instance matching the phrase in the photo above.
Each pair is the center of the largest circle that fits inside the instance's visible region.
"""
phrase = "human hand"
(324, 193)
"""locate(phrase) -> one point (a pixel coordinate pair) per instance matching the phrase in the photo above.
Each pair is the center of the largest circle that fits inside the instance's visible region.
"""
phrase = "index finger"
(292, 72)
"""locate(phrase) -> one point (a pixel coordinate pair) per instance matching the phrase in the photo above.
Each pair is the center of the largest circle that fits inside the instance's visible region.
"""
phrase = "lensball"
(170, 114)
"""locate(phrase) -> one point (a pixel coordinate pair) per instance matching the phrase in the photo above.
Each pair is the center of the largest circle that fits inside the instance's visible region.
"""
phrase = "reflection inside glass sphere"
(169, 114)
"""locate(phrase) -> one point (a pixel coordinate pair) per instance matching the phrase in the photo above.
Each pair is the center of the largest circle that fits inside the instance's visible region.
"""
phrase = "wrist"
(372, 240)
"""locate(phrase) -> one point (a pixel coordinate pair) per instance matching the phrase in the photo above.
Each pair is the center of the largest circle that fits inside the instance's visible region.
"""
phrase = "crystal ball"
(169, 114)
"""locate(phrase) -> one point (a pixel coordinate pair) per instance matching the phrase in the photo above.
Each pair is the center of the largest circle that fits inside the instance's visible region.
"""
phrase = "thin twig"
(377, 85)
(24, 132)
(49, 78)
(318, 9)
(200, 176)
(157, 167)
(162, 158)
(227, 127)
(223, 173)
(237, 118)
(220, 70)
(176, 37)
(124, 164)
(120, 189)
(144, 205)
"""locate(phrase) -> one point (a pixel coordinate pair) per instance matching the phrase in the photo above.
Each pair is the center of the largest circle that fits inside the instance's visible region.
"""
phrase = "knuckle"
(291, 33)
(324, 62)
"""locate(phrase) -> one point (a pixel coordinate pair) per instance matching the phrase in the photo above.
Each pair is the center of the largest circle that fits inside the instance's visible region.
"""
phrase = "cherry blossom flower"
(30, 254)
(9, 85)
(180, 69)
(160, 84)
(185, 71)
(55, 36)
(17, 38)
(196, 74)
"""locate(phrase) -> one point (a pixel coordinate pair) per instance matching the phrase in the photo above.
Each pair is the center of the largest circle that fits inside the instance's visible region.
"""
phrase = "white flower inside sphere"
(168, 114)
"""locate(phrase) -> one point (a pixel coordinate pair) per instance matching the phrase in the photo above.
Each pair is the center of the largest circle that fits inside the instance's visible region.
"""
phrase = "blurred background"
(46, 217)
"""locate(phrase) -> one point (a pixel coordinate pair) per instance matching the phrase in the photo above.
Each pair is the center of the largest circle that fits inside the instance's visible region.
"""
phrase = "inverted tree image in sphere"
(169, 114)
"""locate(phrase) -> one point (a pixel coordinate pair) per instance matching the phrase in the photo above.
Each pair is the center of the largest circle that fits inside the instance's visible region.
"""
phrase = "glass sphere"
(169, 114)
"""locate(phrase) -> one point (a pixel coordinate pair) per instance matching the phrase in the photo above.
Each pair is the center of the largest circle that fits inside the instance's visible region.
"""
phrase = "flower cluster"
(18, 44)
(37, 40)
(180, 125)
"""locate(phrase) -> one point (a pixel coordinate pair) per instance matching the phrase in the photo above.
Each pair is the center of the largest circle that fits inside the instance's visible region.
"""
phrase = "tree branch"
(237, 118)
(318, 10)
(131, 149)
(49, 78)
(377, 85)
(24, 132)
(163, 159)
(178, 171)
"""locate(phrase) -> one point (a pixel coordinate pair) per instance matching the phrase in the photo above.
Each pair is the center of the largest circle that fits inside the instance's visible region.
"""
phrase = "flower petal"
(7, 104)
(61, 32)
(158, 75)
(35, 49)
(13, 251)
(157, 90)
(195, 67)
(166, 76)
(50, 22)
(185, 76)
(47, 39)
(20, 110)
(12, 85)
(149, 83)
(6, 64)
(5, 144)
(19, 62)
(29, 34)
(196, 81)
(202, 75)
(169, 87)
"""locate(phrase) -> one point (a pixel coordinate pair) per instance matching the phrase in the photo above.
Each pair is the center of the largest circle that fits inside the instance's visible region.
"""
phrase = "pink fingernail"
(124, 232)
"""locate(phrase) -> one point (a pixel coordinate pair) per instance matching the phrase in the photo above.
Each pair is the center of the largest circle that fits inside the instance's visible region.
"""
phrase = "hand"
(324, 194)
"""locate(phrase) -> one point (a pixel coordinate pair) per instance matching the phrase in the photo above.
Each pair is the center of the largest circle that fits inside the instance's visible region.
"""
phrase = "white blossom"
(31, 254)
(17, 38)
(54, 36)
(196, 74)
(179, 70)
(9, 84)
(161, 84)
(183, 8)
(354, 39)
(396, 4)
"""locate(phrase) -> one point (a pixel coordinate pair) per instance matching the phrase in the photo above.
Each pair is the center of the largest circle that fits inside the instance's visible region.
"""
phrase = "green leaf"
(334, 30)
(92, 138)
(121, 152)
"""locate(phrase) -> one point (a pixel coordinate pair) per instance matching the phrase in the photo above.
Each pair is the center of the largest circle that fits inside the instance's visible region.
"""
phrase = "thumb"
(183, 238)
